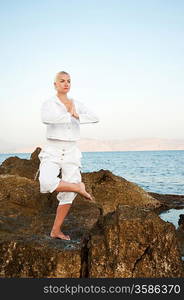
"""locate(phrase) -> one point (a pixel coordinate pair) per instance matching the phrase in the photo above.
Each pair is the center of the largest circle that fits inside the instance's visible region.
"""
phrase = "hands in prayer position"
(71, 109)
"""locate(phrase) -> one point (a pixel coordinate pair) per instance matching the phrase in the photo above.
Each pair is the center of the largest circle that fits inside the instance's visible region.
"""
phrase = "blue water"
(172, 216)
(155, 171)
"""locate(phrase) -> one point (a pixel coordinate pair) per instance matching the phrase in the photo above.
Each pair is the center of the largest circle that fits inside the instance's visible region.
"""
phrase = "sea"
(155, 171)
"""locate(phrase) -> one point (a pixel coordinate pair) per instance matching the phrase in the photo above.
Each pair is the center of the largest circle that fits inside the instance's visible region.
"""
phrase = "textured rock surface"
(22, 167)
(180, 233)
(133, 242)
(26, 218)
(126, 233)
(169, 201)
(20, 195)
(30, 257)
(110, 190)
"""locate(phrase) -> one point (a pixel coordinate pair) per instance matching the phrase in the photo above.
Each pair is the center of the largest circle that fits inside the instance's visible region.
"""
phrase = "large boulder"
(26, 249)
(133, 242)
(26, 218)
(20, 195)
(22, 167)
(110, 190)
(39, 257)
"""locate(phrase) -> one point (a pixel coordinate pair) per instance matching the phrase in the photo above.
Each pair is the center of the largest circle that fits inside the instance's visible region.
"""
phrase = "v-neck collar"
(60, 102)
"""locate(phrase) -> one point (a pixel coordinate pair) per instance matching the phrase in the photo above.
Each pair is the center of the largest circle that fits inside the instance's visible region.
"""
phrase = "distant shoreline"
(6, 153)
(108, 145)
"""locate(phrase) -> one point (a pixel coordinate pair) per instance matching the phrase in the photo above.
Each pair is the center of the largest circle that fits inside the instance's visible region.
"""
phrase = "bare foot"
(83, 192)
(59, 235)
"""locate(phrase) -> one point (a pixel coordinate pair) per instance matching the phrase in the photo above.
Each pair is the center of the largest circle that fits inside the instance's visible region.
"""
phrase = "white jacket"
(60, 124)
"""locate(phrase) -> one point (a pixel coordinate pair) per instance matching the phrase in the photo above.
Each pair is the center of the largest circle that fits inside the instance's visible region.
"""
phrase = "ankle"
(55, 230)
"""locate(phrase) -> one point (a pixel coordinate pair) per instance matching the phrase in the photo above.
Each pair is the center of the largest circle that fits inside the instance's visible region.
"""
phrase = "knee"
(73, 178)
(66, 197)
(47, 184)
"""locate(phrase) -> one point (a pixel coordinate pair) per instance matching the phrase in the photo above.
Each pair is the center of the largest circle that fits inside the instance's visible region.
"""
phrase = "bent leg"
(50, 182)
(71, 176)
(48, 176)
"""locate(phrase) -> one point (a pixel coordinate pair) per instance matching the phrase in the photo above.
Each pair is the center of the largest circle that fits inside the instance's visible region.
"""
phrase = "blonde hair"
(59, 73)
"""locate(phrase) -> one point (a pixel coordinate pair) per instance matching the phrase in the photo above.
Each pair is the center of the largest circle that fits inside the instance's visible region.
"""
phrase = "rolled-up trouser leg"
(48, 176)
(70, 173)
(52, 160)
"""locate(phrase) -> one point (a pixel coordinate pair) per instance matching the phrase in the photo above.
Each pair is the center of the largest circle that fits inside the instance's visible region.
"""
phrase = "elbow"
(95, 119)
(86, 119)
(45, 121)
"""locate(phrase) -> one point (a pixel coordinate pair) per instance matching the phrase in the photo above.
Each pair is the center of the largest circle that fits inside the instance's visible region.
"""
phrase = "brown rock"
(110, 190)
(133, 242)
(169, 201)
(27, 217)
(22, 167)
(30, 258)
(107, 189)
(21, 196)
(180, 233)
(181, 221)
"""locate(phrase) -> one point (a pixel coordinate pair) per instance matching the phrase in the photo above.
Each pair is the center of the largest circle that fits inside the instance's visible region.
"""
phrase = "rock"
(110, 190)
(133, 242)
(26, 218)
(26, 249)
(169, 201)
(21, 196)
(107, 189)
(22, 167)
(181, 221)
(38, 258)
(180, 233)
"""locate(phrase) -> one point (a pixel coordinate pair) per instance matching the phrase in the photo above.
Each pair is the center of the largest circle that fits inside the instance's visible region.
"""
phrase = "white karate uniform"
(61, 153)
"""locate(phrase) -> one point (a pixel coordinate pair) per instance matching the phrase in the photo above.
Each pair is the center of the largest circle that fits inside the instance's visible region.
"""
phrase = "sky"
(125, 59)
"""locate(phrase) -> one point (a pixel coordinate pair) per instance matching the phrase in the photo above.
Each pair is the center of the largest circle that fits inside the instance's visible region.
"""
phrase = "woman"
(63, 117)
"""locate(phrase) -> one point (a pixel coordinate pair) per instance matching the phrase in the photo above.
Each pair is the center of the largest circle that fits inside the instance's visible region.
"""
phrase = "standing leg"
(66, 199)
(61, 213)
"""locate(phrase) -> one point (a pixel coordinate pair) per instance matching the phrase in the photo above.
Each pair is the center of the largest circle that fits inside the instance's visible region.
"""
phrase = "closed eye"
(67, 81)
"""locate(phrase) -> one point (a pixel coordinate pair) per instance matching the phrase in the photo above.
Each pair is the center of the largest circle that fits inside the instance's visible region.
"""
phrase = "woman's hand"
(73, 112)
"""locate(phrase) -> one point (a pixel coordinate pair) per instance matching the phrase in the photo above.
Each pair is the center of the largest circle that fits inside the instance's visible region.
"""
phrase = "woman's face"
(62, 83)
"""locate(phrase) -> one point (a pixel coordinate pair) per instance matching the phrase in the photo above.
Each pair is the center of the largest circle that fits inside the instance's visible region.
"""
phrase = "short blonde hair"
(59, 73)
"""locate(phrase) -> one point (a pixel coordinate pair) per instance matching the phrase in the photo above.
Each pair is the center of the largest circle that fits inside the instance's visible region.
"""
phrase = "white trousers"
(53, 160)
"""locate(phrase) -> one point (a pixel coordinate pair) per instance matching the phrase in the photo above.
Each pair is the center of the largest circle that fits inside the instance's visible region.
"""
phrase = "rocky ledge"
(119, 234)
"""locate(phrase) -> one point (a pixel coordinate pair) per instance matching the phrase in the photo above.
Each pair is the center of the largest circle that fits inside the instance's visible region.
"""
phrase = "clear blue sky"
(125, 59)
